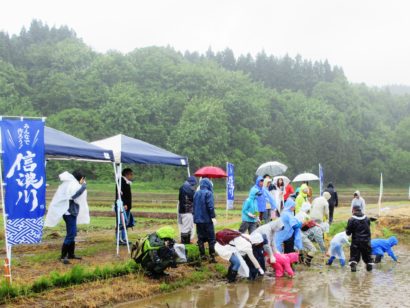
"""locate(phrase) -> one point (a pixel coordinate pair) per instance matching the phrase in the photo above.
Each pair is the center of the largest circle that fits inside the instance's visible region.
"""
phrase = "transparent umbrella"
(303, 177)
(272, 168)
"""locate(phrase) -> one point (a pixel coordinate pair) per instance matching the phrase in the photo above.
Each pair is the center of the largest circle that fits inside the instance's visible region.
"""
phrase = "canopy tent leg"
(189, 172)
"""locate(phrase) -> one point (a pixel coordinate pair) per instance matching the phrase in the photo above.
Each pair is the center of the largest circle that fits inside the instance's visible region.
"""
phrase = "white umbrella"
(304, 177)
(285, 179)
(272, 168)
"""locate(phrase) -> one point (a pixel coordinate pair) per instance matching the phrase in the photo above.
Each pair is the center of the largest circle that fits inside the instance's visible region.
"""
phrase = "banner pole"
(7, 260)
(227, 193)
(380, 192)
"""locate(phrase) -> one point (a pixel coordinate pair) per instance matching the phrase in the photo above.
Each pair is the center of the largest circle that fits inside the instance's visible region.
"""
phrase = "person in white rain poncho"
(320, 208)
(336, 248)
(70, 203)
(268, 231)
(234, 251)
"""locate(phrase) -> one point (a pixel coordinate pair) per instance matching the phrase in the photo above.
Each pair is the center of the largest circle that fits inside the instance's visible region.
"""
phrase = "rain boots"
(301, 258)
(330, 261)
(64, 254)
(378, 259)
(308, 260)
(71, 254)
(185, 238)
(369, 267)
(231, 275)
(353, 266)
(201, 247)
(212, 253)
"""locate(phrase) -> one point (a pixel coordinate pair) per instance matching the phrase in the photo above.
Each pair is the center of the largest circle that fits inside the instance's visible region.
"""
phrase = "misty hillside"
(212, 106)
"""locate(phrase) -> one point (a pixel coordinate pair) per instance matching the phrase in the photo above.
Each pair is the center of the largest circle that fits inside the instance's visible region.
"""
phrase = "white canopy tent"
(130, 150)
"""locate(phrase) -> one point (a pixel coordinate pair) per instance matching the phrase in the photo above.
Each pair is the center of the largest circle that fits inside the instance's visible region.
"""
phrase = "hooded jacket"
(336, 245)
(334, 200)
(283, 263)
(291, 225)
(186, 198)
(382, 246)
(60, 203)
(250, 206)
(301, 198)
(358, 226)
(269, 230)
(358, 201)
(204, 209)
(264, 197)
(320, 209)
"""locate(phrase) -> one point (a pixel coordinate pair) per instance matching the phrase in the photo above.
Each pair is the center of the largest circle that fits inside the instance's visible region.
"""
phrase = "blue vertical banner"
(321, 179)
(230, 186)
(24, 178)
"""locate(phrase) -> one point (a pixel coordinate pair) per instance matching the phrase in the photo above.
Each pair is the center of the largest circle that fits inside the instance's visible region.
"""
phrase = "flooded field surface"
(320, 286)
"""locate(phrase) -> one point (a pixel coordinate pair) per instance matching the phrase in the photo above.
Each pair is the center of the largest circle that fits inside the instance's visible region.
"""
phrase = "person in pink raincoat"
(283, 263)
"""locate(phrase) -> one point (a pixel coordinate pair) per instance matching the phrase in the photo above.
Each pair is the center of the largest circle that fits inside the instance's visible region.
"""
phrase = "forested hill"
(212, 107)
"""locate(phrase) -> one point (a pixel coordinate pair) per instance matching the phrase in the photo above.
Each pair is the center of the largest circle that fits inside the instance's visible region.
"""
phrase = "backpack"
(224, 236)
(309, 224)
(137, 251)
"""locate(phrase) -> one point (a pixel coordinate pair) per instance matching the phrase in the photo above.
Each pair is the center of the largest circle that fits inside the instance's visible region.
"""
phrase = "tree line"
(212, 107)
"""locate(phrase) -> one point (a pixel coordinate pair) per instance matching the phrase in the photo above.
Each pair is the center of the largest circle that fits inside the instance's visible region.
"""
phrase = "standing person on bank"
(69, 202)
(333, 201)
(204, 217)
(358, 201)
(126, 198)
(185, 209)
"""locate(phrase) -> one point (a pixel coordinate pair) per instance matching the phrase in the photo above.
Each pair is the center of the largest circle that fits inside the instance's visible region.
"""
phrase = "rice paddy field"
(105, 278)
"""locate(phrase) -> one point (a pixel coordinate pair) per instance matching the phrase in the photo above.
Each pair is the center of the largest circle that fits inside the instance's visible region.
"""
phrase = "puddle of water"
(386, 286)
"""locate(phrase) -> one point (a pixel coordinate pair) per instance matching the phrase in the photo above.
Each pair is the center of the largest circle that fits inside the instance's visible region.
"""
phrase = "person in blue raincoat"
(262, 198)
(382, 246)
(290, 236)
(250, 212)
(204, 217)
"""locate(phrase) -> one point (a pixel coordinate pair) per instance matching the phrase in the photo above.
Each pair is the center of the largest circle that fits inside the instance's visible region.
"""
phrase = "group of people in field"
(280, 227)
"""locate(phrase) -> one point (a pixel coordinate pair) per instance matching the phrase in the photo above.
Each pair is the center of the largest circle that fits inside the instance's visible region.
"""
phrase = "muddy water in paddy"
(386, 286)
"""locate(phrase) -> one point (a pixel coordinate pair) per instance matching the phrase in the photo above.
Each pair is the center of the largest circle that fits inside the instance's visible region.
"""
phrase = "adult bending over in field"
(269, 230)
(69, 202)
(290, 236)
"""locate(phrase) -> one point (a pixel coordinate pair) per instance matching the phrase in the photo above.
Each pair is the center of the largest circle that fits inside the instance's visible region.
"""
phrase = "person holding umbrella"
(262, 199)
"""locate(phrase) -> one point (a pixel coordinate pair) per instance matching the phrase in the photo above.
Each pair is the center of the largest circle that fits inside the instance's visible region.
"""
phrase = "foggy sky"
(368, 39)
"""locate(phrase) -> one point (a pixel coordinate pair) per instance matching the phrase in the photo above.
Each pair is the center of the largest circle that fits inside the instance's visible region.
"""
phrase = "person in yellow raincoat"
(302, 197)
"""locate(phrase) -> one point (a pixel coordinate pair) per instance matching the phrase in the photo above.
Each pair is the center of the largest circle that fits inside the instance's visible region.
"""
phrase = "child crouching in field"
(283, 264)
(382, 246)
(358, 227)
(336, 248)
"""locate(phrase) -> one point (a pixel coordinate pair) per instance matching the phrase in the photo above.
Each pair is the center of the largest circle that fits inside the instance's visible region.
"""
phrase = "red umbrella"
(211, 172)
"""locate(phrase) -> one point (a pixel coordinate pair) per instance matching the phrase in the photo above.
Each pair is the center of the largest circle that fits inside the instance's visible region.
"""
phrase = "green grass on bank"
(79, 274)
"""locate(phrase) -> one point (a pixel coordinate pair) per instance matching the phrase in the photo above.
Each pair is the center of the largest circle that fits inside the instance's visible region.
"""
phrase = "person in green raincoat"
(156, 252)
